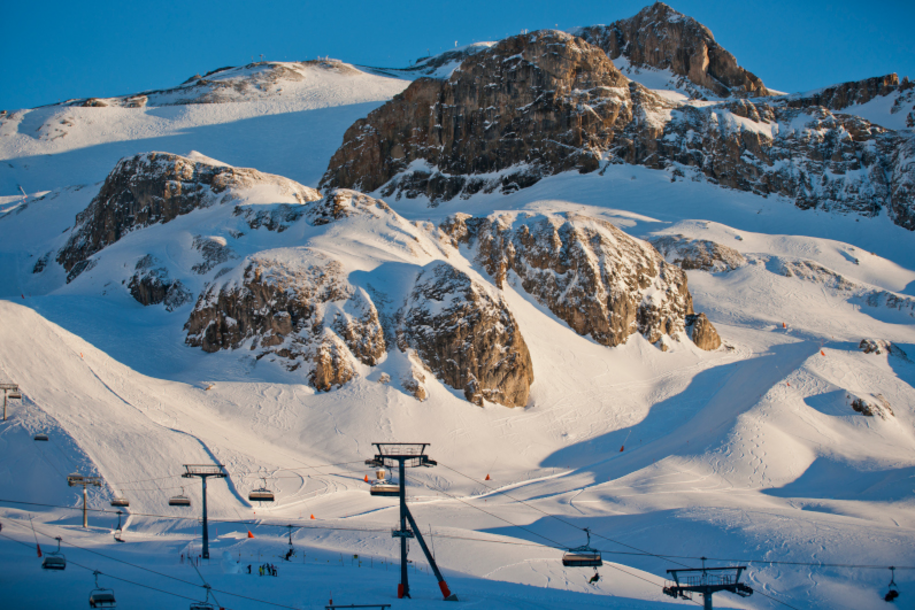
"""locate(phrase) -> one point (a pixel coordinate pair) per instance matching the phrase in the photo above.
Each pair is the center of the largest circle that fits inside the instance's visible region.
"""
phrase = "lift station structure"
(404, 455)
(203, 472)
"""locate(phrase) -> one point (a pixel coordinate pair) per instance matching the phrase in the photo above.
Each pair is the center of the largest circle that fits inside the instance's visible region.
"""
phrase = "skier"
(249, 568)
(594, 578)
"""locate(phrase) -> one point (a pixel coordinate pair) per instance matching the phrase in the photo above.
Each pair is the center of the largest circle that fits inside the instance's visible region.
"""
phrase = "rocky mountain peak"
(660, 37)
(547, 101)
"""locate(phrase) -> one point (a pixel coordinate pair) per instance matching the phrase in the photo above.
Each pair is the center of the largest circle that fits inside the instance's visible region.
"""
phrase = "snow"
(721, 456)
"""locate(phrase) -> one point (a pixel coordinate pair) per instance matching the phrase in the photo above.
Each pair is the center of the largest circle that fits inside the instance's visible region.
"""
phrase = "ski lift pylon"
(261, 495)
(101, 597)
(582, 556)
(179, 500)
(55, 560)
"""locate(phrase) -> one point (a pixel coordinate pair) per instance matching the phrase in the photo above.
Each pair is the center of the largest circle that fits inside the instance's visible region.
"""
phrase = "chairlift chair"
(120, 501)
(383, 487)
(14, 395)
(205, 604)
(582, 556)
(101, 597)
(261, 495)
(179, 500)
(41, 437)
(55, 560)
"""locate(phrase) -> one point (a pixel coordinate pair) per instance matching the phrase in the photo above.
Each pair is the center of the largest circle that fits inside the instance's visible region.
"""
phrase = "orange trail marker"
(622, 447)
(250, 535)
(784, 325)
(487, 478)
(366, 478)
(312, 516)
(789, 383)
(822, 353)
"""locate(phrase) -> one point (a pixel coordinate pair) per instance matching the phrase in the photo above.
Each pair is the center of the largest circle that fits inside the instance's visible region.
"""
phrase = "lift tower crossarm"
(707, 581)
(203, 472)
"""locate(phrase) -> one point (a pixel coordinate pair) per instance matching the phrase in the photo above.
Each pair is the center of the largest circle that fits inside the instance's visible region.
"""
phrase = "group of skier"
(267, 569)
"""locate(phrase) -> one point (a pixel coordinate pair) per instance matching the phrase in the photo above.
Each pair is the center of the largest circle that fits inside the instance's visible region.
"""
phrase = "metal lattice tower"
(203, 472)
(707, 581)
(78, 480)
(404, 455)
(10, 391)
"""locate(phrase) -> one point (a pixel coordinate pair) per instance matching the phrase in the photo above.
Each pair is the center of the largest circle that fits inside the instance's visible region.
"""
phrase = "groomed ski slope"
(748, 453)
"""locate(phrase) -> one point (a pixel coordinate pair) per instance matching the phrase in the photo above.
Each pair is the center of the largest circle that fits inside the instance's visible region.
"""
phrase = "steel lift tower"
(707, 581)
(403, 455)
(78, 480)
(203, 472)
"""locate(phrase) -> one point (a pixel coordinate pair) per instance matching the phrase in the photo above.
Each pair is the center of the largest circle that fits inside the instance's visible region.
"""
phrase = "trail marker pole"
(203, 472)
(412, 454)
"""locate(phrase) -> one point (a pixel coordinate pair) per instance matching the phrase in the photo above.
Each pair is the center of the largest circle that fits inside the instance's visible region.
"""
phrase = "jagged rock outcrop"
(466, 337)
(701, 331)
(877, 405)
(601, 282)
(662, 38)
(344, 203)
(300, 308)
(539, 103)
(542, 103)
(851, 93)
(214, 251)
(878, 346)
(152, 188)
(151, 285)
(702, 254)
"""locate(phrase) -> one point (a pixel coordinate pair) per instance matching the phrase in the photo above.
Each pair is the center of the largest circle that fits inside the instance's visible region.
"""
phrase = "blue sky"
(55, 50)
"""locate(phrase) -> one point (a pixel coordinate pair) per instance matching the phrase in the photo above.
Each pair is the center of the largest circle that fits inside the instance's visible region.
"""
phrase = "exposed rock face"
(878, 406)
(662, 38)
(214, 251)
(843, 95)
(467, 337)
(151, 285)
(302, 310)
(702, 332)
(343, 203)
(601, 282)
(546, 100)
(699, 254)
(155, 188)
(878, 346)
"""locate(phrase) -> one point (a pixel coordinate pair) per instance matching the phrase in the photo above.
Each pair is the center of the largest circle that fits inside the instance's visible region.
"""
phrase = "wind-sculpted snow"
(154, 188)
(468, 337)
(601, 282)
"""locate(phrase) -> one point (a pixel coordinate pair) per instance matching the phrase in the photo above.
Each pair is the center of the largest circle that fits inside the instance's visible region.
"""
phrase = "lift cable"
(555, 545)
(153, 572)
(561, 520)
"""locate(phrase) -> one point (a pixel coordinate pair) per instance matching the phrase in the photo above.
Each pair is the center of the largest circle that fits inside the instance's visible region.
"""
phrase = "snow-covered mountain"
(685, 324)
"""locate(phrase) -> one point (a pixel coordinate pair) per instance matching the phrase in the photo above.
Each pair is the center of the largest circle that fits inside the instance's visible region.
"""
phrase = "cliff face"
(601, 282)
(539, 104)
(660, 37)
(468, 337)
(299, 308)
(153, 188)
